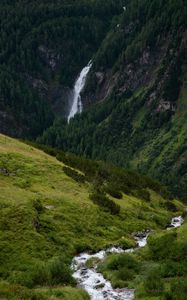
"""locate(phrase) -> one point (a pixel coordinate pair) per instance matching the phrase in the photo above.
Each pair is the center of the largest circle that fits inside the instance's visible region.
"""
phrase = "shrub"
(123, 261)
(120, 268)
(113, 191)
(144, 194)
(17, 292)
(153, 283)
(126, 243)
(53, 272)
(179, 250)
(100, 199)
(37, 204)
(160, 245)
(60, 272)
(170, 206)
(179, 289)
(74, 174)
(171, 268)
(41, 274)
(125, 274)
(21, 278)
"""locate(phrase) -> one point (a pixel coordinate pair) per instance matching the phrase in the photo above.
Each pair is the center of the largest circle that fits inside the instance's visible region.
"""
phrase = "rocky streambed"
(94, 283)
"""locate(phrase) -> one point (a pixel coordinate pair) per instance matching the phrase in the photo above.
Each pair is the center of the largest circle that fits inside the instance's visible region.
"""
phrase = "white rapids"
(94, 283)
(176, 222)
(78, 87)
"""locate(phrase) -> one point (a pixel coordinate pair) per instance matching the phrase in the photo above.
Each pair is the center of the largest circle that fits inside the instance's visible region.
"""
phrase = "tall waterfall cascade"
(78, 87)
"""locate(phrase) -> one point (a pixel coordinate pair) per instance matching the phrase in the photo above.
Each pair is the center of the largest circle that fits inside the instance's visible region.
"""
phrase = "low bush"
(21, 278)
(160, 245)
(179, 250)
(113, 191)
(143, 194)
(60, 272)
(153, 283)
(54, 272)
(125, 243)
(122, 261)
(171, 268)
(125, 274)
(37, 204)
(18, 292)
(41, 274)
(170, 206)
(120, 269)
(102, 200)
(179, 289)
(74, 174)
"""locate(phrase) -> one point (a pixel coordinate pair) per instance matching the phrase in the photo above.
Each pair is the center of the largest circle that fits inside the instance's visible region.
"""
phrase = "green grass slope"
(47, 216)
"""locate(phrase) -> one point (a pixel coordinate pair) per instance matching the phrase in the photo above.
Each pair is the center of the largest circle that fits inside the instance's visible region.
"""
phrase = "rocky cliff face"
(50, 88)
(158, 69)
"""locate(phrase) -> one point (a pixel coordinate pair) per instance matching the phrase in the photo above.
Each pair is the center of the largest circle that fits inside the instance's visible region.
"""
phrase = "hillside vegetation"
(52, 210)
(135, 98)
(43, 46)
(159, 271)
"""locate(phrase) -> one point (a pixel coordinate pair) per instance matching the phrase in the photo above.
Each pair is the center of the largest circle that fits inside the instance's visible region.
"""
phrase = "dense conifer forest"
(138, 52)
(43, 44)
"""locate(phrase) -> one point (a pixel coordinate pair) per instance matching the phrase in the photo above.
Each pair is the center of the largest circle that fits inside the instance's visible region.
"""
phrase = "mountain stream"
(94, 283)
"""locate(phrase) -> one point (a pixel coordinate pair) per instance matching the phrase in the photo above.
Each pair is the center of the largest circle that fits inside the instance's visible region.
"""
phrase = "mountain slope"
(46, 217)
(43, 46)
(135, 97)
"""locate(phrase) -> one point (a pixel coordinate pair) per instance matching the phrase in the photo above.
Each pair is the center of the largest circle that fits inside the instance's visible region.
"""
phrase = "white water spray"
(78, 87)
(94, 283)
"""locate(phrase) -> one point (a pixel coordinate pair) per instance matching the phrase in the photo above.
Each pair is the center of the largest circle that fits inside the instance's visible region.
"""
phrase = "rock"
(50, 57)
(99, 286)
(49, 207)
(175, 220)
(169, 226)
(4, 171)
(100, 77)
(140, 235)
(84, 271)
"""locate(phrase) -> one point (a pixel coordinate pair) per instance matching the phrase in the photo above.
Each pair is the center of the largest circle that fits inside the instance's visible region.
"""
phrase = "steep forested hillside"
(137, 93)
(135, 99)
(43, 46)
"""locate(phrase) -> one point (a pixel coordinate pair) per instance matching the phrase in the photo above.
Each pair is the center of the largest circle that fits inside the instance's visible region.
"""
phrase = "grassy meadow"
(47, 217)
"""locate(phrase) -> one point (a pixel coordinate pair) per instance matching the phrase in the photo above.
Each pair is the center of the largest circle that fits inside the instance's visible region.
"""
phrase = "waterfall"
(78, 87)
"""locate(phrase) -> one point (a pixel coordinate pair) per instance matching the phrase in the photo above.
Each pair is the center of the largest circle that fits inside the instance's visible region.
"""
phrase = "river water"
(78, 87)
(94, 283)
